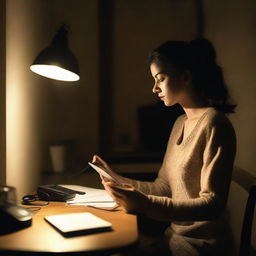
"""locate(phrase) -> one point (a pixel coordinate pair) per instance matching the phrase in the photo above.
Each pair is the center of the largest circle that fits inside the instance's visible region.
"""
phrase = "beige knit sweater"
(192, 185)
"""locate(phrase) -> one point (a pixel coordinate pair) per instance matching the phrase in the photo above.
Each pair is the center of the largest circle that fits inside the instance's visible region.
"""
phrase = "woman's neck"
(195, 113)
(193, 105)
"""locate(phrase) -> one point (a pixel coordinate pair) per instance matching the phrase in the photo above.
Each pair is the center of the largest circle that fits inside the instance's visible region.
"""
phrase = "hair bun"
(203, 51)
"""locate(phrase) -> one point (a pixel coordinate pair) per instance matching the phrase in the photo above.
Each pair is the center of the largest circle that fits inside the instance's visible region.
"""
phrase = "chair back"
(241, 203)
(247, 241)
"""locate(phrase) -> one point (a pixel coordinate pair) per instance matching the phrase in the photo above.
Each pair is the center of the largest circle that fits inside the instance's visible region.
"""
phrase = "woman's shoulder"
(218, 120)
(215, 117)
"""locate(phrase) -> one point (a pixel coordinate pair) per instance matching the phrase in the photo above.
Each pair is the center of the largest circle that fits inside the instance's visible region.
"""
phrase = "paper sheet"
(101, 171)
(98, 198)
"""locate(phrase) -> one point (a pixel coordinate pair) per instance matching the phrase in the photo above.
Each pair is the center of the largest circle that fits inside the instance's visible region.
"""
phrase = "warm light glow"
(54, 72)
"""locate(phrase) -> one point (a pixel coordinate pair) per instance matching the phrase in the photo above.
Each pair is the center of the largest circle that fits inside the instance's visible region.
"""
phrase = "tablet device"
(78, 223)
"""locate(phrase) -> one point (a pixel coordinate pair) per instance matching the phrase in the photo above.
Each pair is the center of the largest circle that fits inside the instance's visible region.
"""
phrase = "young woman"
(192, 186)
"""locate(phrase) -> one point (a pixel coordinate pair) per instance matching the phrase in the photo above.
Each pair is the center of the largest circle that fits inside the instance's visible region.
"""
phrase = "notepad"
(78, 223)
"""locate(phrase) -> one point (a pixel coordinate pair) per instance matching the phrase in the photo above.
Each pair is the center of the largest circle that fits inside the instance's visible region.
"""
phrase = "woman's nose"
(155, 88)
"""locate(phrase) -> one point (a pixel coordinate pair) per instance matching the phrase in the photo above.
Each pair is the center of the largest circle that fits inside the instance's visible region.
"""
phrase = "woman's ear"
(187, 77)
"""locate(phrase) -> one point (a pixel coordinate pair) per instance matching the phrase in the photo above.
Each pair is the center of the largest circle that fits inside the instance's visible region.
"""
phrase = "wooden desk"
(42, 238)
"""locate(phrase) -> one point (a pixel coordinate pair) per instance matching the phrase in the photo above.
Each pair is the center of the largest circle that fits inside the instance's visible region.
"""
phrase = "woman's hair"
(198, 57)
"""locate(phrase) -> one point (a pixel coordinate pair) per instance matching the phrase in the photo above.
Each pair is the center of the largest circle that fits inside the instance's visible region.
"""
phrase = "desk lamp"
(57, 61)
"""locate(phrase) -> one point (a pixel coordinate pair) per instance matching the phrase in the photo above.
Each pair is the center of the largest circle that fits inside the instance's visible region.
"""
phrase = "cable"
(29, 199)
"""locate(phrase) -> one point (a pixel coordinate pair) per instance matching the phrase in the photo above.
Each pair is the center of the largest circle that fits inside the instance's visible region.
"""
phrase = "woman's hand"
(130, 199)
(102, 164)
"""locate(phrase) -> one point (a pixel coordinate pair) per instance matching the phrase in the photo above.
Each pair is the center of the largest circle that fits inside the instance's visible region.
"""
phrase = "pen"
(79, 192)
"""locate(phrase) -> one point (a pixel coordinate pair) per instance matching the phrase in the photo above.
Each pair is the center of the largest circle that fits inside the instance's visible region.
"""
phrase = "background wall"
(2, 96)
(41, 111)
(22, 94)
(231, 25)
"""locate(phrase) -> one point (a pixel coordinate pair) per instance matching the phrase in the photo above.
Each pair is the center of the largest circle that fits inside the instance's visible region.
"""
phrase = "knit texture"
(192, 186)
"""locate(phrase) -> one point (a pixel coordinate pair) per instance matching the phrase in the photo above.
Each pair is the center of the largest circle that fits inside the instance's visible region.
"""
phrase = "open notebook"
(78, 223)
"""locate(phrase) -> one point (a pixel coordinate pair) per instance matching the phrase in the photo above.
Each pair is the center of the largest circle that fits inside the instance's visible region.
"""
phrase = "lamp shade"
(57, 61)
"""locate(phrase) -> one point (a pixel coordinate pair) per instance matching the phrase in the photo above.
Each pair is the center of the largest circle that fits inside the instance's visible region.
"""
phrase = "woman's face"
(169, 88)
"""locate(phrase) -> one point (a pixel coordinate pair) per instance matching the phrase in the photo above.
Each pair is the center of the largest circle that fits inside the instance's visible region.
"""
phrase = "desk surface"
(42, 237)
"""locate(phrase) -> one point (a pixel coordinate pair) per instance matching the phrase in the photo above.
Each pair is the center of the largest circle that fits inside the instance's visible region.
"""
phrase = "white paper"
(101, 171)
(94, 197)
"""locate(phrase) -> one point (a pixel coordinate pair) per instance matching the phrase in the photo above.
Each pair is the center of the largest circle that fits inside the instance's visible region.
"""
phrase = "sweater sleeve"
(216, 171)
(159, 187)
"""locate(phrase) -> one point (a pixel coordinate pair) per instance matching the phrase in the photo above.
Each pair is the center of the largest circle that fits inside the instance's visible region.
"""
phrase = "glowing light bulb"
(54, 72)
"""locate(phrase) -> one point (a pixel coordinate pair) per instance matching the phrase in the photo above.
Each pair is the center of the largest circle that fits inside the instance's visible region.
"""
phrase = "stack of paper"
(98, 198)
